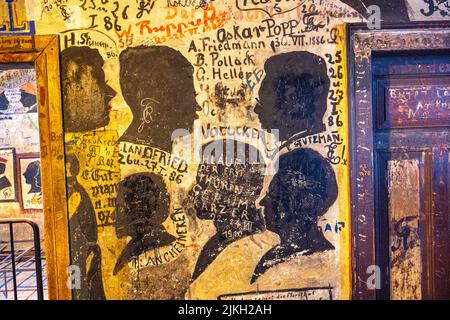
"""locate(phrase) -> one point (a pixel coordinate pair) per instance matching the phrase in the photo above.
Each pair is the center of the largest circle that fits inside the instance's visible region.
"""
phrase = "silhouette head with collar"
(301, 192)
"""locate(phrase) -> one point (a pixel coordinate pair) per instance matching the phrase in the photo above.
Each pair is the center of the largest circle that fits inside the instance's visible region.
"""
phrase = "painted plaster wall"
(149, 223)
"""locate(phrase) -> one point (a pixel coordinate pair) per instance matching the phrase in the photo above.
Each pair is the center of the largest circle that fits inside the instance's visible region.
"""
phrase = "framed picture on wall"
(30, 181)
(8, 184)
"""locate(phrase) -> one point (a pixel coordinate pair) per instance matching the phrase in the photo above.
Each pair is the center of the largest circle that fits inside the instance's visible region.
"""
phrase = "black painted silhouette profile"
(391, 11)
(33, 176)
(157, 84)
(86, 95)
(293, 94)
(4, 181)
(29, 101)
(83, 238)
(302, 191)
(4, 103)
(228, 182)
(142, 206)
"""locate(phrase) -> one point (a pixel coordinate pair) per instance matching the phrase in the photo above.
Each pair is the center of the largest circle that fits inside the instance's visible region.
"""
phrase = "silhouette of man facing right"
(86, 93)
(391, 11)
(302, 191)
(229, 180)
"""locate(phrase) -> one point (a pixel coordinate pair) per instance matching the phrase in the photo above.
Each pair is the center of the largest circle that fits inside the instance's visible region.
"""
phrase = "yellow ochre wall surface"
(147, 84)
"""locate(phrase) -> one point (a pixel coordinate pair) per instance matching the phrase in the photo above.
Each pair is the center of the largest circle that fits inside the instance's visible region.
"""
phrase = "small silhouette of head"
(157, 84)
(229, 180)
(302, 191)
(142, 205)
(293, 94)
(86, 94)
(33, 176)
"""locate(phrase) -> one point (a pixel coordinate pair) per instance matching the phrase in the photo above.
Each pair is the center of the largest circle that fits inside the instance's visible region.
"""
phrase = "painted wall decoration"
(293, 95)
(8, 184)
(14, 18)
(84, 235)
(86, 94)
(405, 254)
(17, 90)
(30, 183)
(324, 293)
(25, 140)
(173, 113)
(157, 113)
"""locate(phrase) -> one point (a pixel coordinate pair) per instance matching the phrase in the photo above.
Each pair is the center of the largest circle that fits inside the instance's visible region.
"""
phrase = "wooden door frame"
(43, 52)
(361, 45)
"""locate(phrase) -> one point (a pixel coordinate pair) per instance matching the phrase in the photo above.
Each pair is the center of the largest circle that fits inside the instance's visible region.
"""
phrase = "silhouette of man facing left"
(302, 191)
(391, 11)
(4, 181)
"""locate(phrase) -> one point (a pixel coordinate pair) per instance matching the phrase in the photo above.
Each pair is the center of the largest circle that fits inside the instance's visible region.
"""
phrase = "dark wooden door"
(411, 124)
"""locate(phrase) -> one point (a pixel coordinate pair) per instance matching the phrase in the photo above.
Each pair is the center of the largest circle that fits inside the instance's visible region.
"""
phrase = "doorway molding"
(43, 52)
(361, 46)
